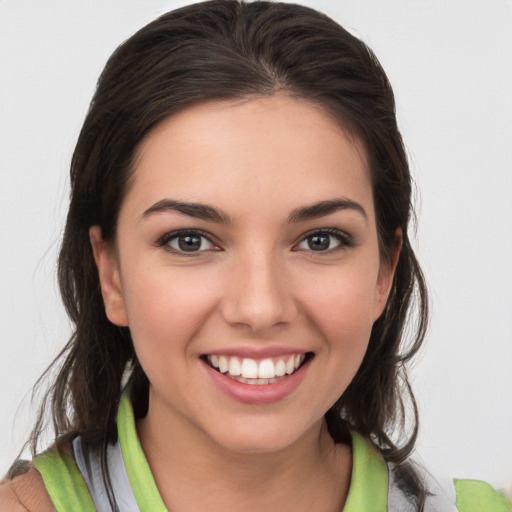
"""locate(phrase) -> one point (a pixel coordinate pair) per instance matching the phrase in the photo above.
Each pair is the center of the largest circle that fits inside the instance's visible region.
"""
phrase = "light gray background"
(450, 63)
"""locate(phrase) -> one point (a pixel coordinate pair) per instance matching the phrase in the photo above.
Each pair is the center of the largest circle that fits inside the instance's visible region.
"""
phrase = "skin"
(254, 284)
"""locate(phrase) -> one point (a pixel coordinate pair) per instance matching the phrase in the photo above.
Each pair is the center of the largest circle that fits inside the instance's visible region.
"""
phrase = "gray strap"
(439, 499)
(94, 478)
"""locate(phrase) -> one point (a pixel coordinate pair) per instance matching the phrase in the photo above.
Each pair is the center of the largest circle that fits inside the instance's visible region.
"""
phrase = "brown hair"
(226, 49)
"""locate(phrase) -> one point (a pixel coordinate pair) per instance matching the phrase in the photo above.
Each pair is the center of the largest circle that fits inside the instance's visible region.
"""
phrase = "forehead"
(261, 149)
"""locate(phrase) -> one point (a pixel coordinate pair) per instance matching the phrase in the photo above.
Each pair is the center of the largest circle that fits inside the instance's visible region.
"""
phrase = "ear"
(386, 274)
(109, 276)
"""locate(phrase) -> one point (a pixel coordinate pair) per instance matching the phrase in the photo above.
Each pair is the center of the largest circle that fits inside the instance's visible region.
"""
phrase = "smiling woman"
(261, 281)
(237, 266)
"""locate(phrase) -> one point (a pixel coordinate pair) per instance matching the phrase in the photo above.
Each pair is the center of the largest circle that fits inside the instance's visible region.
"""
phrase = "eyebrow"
(323, 208)
(210, 213)
(195, 210)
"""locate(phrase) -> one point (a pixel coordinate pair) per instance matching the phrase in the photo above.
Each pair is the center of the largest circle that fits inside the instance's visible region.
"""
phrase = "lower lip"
(258, 394)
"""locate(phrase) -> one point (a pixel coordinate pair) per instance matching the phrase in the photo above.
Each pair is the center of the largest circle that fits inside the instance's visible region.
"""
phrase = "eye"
(326, 240)
(188, 241)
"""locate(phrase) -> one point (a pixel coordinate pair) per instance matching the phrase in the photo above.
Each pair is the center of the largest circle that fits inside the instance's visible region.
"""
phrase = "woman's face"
(247, 269)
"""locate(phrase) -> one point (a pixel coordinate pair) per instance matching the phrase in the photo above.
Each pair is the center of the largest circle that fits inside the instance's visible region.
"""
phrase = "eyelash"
(344, 239)
(165, 240)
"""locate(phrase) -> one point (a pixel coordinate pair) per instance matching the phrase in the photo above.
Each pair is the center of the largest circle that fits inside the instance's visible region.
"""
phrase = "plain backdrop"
(450, 63)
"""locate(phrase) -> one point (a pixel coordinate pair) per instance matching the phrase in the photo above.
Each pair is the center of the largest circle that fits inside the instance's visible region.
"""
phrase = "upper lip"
(256, 352)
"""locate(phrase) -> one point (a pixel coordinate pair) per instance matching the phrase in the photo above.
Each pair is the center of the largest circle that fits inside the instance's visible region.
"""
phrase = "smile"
(256, 372)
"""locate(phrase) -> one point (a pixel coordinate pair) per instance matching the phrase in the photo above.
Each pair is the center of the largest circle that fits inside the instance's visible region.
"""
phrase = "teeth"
(290, 365)
(249, 371)
(259, 382)
(223, 364)
(266, 369)
(280, 368)
(234, 367)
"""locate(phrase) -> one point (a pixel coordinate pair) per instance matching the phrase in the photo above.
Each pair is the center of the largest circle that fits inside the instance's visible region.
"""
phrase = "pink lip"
(258, 394)
(256, 353)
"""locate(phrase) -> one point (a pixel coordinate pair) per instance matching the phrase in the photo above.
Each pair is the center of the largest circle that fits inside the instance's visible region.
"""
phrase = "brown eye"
(186, 242)
(189, 243)
(319, 242)
(325, 241)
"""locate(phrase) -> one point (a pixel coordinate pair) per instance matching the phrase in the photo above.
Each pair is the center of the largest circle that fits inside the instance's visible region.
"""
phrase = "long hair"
(228, 49)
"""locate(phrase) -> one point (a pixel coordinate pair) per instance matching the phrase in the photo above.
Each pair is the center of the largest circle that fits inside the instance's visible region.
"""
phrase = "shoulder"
(475, 495)
(23, 490)
(445, 495)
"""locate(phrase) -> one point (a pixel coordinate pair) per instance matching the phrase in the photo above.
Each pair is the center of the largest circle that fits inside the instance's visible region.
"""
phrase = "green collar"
(63, 482)
(368, 487)
(137, 467)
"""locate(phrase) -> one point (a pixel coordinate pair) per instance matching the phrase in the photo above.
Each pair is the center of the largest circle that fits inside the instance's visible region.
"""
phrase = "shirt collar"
(368, 486)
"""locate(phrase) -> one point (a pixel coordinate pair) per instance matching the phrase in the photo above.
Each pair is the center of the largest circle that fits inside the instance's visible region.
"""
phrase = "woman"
(237, 264)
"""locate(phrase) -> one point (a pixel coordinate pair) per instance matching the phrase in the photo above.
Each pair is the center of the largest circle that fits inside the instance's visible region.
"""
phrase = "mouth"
(257, 372)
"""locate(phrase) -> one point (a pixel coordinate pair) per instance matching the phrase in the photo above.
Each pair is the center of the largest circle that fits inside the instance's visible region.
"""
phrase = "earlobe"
(387, 273)
(109, 277)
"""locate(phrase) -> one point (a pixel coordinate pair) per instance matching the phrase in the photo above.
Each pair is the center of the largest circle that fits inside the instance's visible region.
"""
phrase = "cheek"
(344, 317)
(343, 305)
(341, 310)
(165, 307)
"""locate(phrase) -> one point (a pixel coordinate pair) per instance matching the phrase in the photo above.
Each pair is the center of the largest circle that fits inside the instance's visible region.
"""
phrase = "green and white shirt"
(76, 485)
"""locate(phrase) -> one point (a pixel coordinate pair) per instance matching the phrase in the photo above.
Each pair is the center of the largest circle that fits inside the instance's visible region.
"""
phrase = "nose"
(258, 294)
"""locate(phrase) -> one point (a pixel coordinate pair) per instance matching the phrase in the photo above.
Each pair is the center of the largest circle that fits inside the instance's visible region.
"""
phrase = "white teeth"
(280, 368)
(266, 369)
(234, 366)
(290, 365)
(223, 364)
(249, 369)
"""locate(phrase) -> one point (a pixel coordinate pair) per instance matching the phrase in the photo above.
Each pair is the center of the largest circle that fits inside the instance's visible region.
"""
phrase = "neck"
(193, 472)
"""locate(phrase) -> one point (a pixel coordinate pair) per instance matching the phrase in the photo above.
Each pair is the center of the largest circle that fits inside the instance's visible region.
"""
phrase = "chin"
(261, 438)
